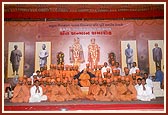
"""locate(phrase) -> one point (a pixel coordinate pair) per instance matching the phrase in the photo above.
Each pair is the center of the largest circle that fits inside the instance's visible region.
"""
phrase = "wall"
(119, 30)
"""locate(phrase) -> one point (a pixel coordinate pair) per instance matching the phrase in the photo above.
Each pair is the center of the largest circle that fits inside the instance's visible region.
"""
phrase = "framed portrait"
(15, 59)
(153, 54)
(125, 59)
(42, 54)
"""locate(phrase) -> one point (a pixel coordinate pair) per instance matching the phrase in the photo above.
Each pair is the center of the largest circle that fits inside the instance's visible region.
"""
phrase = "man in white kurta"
(36, 93)
(139, 82)
(133, 68)
(104, 69)
(144, 92)
(148, 80)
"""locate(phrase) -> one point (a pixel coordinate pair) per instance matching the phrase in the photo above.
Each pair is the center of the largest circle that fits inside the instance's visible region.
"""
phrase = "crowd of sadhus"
(63, 83)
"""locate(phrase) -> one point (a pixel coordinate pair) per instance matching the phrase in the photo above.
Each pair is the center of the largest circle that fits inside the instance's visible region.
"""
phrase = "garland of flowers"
(60, 58)
(111, 56)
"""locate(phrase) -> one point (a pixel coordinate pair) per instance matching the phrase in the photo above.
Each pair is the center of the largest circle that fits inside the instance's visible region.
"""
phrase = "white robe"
(145, 95)
(35, 96)
(133, 70)
(149, 82)
(137, 86)
(104, 69)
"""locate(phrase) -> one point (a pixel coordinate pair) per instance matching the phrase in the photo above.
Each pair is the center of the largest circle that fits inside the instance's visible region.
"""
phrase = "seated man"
(36, 93)
(139, 82)
(110, 91)
(58, 91)
(86, 73)
(159, 76)
(148, 81)
(118, 68)
(29, 83)
(133, 68)
(21, 93)
(126, 71)
(45, 87)
(66, 93)
(101, 91)
(34, 77)
(104, 69)
(92, 89)
(120, 87)
(130, 93)
(53, 89)
(84, 79)
(77, 90)
(144, 92)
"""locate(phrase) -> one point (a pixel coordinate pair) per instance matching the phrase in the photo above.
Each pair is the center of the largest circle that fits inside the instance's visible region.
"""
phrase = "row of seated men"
(71, 71)
(100, 71)
(116, 88)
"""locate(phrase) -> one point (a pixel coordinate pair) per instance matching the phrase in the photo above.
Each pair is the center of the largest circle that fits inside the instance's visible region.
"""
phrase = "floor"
(74, 105)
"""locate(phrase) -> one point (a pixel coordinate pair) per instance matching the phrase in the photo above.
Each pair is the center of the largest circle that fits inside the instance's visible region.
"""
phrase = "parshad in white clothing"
(144, 92)
(36, 93)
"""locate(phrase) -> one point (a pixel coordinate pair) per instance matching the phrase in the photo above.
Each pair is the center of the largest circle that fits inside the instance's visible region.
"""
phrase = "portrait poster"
(20, 60)
(151, 45)
(123, 56)
(38, 48)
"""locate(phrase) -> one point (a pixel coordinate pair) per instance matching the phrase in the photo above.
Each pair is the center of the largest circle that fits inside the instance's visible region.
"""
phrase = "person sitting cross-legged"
(144, 92)
(21, 92)
(36, 93)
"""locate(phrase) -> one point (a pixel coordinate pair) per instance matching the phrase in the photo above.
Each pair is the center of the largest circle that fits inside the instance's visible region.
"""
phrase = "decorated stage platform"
(76, 105)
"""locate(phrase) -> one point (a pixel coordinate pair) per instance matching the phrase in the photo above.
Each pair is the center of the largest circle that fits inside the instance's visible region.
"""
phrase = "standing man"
(43, 56)
(129, 56)
(15, 59)
(157, 55)
(93, 53)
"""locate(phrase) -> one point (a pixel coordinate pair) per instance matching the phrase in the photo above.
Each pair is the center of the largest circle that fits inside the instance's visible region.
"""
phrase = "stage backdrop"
(107, 33)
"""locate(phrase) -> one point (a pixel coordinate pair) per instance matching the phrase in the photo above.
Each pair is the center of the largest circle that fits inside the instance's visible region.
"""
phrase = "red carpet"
(84, 107)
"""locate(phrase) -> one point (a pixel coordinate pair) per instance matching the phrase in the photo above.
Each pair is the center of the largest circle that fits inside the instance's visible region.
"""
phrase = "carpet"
(157, 104)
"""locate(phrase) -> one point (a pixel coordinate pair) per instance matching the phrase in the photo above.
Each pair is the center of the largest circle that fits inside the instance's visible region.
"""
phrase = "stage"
(77, 105)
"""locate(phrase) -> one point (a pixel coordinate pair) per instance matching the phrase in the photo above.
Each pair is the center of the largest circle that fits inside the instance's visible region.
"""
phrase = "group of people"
(63, 83)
